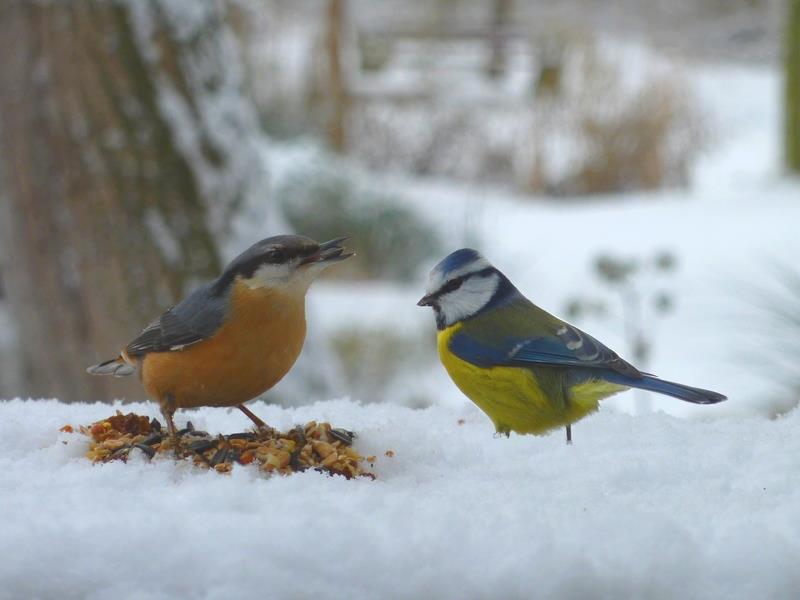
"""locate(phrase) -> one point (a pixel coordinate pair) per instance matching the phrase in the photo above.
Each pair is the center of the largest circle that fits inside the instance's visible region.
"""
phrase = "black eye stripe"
(451, 285)
(456, 283)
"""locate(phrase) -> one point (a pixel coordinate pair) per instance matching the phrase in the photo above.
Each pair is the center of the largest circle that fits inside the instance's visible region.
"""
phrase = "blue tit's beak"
(428, 300)
(328, 252)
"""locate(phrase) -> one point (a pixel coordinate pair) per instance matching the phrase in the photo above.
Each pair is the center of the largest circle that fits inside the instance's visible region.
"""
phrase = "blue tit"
(528, 370)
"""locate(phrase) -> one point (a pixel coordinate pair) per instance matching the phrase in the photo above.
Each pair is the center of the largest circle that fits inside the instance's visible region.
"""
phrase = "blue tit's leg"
(501, 430)
(566, 399)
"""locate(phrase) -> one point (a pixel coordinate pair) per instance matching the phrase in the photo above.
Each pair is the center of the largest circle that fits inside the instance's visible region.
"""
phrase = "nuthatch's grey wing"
(193, 320)
(522, 334)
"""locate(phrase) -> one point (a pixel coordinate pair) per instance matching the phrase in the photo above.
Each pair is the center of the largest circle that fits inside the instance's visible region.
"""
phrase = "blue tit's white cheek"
(468, 299)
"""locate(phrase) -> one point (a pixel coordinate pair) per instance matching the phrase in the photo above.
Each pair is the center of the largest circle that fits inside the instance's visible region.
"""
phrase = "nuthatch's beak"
(426, 300)
(328, 252)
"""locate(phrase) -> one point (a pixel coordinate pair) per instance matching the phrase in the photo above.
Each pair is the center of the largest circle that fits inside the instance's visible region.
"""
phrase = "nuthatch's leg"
(170, 423)
(168, 410)
(250, 415)
(569, 435)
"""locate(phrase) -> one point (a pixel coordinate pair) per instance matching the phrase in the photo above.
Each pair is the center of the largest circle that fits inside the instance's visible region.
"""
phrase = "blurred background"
(630, 164)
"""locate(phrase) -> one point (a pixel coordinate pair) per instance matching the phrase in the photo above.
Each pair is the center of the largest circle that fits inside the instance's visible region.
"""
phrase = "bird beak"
(329, 252)
(426, 301)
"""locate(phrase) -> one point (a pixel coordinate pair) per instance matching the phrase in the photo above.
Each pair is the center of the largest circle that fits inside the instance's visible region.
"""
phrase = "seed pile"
(312, 446)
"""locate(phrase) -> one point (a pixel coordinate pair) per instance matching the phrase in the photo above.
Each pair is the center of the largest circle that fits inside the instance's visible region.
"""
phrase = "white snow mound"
(648, 506)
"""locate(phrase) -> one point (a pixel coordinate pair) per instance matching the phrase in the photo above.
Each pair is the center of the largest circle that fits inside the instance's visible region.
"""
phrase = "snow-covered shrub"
(421, 137)
(569, 114)
(329, 199)
(593, 118)
(775, 350)
(376, 364)
(641, 286)
(631, 131)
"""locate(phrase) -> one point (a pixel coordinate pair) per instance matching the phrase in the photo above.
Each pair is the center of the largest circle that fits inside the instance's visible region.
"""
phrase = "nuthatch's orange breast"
(253, 349)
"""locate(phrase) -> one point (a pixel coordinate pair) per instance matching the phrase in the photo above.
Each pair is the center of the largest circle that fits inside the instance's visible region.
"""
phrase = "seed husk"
(315, 445)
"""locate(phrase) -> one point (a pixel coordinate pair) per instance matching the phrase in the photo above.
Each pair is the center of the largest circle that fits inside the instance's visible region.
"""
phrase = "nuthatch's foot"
(177, 446)
(175, 435)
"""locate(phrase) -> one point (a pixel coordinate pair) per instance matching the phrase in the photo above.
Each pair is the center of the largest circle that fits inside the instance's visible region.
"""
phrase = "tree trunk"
(497, 65)
(335, 125)
(126, 143)
(792, 87)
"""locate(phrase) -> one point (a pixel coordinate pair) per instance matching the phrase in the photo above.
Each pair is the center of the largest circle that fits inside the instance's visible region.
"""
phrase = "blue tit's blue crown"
(456, 264)
(458, 260)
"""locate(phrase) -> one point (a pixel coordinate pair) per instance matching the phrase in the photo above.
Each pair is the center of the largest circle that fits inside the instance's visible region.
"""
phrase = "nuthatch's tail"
(118, 367)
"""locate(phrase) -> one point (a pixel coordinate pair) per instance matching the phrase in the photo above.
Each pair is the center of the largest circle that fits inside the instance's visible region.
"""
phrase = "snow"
(649, 506)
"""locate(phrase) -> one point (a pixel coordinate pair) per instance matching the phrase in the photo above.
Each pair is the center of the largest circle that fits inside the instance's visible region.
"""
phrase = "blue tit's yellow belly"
(517, 398)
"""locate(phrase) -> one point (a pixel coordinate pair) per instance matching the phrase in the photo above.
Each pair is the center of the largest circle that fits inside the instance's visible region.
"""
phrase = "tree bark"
(792, 88)
(501, 10)
(124, 135)
(335, 126)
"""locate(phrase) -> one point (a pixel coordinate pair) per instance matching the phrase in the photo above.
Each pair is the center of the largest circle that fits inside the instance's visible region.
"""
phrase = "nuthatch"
(233, 338)
(528, 370)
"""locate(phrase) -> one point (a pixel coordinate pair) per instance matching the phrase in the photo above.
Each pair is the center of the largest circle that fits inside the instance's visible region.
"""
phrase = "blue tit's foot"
(569, 435)
(502, 430)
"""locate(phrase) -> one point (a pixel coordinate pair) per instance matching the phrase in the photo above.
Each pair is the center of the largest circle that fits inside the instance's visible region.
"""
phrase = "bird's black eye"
(277, 256)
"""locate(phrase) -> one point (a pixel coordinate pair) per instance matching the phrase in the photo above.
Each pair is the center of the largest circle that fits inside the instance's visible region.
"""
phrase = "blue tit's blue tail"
(661, 386)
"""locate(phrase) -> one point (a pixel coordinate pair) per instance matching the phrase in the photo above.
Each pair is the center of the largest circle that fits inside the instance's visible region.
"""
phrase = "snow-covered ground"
(639, 507)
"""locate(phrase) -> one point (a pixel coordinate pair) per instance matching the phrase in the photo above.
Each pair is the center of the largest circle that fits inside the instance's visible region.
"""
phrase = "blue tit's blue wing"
(525, 335)
(569, 347)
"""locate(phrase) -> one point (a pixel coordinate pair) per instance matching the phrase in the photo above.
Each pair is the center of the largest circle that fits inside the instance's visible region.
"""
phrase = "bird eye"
(277, 256)
(451, 285)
